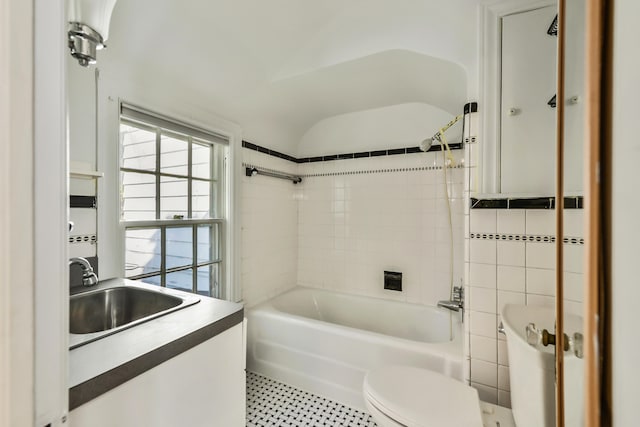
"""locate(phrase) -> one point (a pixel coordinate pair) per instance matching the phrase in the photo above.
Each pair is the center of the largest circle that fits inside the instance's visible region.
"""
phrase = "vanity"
(183, 365)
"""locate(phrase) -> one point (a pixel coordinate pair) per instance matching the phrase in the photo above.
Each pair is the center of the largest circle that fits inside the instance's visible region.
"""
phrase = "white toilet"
(404, 396)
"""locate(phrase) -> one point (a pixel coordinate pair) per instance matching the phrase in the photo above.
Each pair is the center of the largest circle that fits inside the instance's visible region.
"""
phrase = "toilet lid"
(417, 397)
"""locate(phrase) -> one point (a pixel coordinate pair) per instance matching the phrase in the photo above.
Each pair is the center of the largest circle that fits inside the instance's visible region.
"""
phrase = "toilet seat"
(415, 397)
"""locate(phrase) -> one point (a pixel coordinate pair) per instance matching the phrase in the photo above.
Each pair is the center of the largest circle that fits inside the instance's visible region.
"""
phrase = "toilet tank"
(532, 369)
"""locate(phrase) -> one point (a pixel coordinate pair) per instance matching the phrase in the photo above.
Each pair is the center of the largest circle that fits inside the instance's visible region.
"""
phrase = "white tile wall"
(513, 272)
(540, 222)
(510, 221)
(84, 219)
(484, 275)
(269, 230)
(341, 230)
(483, 348)
(511, 253)
(85, 224)
(511, 278)
(353, 226)
(483, 251)
(484, 373)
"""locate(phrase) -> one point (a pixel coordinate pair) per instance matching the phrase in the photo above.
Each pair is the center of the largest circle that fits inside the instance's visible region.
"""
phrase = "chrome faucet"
(89, 278)
(456, 303)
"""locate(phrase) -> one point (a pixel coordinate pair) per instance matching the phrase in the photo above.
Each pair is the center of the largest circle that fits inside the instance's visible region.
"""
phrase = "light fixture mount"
(84, 41)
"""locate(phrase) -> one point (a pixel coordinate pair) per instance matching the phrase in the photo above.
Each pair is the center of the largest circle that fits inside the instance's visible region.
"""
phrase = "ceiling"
(278, 67)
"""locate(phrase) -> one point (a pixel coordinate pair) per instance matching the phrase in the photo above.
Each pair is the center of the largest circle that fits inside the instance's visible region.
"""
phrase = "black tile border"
(88, 390)
(576, 202)
(344, 156)
(82, 202)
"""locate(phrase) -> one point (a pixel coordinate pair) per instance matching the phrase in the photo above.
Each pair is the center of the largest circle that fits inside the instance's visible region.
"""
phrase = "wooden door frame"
(598, 166)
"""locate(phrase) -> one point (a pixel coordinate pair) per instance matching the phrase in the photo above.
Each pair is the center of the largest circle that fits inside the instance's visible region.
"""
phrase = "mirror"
(573, 219)
(528, 97)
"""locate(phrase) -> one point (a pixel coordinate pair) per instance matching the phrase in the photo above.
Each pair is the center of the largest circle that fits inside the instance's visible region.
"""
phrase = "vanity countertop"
(102, 365)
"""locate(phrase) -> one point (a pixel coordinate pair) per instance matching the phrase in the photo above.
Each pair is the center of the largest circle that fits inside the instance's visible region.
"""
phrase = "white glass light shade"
(94, 13)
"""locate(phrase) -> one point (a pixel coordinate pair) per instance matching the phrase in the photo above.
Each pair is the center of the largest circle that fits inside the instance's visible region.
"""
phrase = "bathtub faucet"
(456, 303)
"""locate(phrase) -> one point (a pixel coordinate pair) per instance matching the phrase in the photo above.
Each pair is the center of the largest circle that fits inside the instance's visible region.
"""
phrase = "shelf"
(83, 170)
(78, 174)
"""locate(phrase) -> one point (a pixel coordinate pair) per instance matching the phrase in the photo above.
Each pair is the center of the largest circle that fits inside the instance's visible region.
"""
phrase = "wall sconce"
(89, 28)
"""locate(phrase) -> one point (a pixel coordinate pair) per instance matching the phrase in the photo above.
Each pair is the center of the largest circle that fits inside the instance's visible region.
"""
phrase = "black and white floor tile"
(272, 403)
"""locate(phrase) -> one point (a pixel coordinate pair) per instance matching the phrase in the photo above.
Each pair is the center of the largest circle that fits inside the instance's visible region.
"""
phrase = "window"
(172, 202)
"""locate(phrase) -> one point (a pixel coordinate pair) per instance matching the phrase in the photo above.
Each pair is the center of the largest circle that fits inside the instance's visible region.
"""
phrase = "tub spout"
(450, 305)
(456, 303)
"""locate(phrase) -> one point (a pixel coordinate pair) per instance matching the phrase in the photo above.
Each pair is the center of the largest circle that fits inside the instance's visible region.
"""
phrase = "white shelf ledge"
(82, 170)
(80, 174)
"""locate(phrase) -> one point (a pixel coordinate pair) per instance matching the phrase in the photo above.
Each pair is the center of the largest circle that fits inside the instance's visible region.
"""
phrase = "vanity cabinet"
(203, 386)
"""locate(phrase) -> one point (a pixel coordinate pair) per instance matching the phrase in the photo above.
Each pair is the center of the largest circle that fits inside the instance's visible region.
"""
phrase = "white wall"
(277, 77)
(50, 214)
(396, 126)
(17, 405)
(445, 30)
(625, 205)
(33, 350)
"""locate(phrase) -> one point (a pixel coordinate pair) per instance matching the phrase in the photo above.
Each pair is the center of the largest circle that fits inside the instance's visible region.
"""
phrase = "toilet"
(406, 396)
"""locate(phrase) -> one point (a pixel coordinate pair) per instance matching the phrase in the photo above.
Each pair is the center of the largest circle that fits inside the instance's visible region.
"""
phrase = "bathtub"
(325, 342)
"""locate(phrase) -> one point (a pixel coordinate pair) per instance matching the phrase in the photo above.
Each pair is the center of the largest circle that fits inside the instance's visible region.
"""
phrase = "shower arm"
(439, 136)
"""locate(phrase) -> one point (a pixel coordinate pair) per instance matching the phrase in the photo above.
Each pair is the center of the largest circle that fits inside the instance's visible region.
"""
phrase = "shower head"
(426, 144)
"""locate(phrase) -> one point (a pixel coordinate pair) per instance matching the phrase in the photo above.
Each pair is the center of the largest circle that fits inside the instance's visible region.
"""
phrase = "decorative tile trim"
(327, 158)
(370, 171)
(82, 202)
(526, 203)
(274, 153)
(525, 238)
(87, 238)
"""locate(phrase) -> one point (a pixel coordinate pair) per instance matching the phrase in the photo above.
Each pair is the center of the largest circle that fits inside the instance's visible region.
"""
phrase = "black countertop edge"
(576, 202)
(342, 156)
(89, 390)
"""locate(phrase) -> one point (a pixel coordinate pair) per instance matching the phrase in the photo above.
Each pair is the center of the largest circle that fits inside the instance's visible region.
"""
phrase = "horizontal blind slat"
(139, 114)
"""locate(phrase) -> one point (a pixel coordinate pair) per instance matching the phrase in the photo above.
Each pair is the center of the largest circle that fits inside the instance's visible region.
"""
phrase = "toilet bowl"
(407, 396)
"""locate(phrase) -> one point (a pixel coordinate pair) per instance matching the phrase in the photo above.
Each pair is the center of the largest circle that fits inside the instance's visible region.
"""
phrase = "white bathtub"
(324, 342)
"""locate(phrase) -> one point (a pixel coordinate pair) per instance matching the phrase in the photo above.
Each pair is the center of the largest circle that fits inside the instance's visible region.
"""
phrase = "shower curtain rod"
(250, 171)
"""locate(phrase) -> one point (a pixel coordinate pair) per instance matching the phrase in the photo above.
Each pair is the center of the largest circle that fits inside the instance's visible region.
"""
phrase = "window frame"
(219, 197)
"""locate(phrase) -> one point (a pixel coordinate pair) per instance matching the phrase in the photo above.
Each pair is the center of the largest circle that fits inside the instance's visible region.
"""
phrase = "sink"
(98, 313)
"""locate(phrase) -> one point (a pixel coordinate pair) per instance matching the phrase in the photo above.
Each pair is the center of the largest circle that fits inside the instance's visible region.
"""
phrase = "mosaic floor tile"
(272, 403)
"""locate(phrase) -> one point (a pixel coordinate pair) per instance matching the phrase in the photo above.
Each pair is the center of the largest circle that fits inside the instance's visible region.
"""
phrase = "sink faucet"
(456, 303)
(89, 278)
